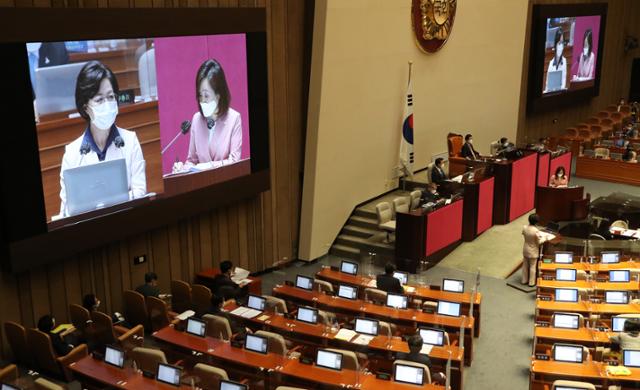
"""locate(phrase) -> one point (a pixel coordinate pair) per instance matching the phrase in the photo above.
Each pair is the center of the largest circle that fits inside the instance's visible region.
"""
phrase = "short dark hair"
(560, 168)
(467, 137)
(88, 84)
(216, 301)
(632, 325)
(559, 36)
(588, 35)
(533, 219)
(503, 140)
(150, 277)
(389, 268)
(212, 71)
(226, 266)
(439, 160)
(45, 323)
(415, 342)
(89, 301)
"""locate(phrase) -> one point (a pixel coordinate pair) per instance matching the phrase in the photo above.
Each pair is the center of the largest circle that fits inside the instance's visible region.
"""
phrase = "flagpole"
(406, 174)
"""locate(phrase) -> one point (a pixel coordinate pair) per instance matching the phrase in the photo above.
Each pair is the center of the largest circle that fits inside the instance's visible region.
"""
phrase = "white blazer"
(131, 151)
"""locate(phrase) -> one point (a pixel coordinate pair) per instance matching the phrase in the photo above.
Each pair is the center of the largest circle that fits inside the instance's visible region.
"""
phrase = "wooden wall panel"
(623, 16)
(256, 233)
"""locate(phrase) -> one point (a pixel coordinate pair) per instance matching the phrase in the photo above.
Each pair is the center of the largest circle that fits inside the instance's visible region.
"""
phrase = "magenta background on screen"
(177, 62)
(582, 24)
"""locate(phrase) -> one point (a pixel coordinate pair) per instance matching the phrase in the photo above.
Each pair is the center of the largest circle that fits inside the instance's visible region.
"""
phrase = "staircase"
(360, 236)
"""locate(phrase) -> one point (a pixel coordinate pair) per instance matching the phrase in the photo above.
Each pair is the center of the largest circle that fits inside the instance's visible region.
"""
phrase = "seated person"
(90, 302)
(415, 343)
(431, 194)
(150, 287)
(541, 145)
(629, 154)
(46, 324)
(387, 283)
(467, 150)
(629, 338)
(559, 179)
(620, 104)
(223, 285)
(216, 309)
(437, 173)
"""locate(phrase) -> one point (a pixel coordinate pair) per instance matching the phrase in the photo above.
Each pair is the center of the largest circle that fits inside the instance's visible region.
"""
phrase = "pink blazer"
(224, 145)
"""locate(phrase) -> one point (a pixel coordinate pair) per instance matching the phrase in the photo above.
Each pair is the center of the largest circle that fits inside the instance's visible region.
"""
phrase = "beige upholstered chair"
(148, 359)
(275, 342)
(572, 385)
(326, 317)
(386, 328)
(620, 224)
(401, 205)
(415, 199)
(349, 359)
(217, 327)
(427, 372)
(376, 296)
(322, 286)
(494, 147)
(602, 152)
(209, 376)
(43, 384)
(385, 215)
(200, 298)
(180, 296)
(429, 170)
(274, 304)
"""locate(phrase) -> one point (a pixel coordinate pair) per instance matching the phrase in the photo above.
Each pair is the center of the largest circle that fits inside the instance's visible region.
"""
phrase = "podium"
(561, 204)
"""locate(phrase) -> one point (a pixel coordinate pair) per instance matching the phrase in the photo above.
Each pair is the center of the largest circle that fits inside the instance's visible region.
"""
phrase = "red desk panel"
(523, 186)
(562, 160)
(444, 227)
(485, 205)
(543, 168)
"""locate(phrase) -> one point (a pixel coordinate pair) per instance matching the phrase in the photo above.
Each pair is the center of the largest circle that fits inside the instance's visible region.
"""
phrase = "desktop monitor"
(620, 276)
(449, 308)
(566, 320)
(348, 267)
(168, 374)
(567, 353)
(396, 300)
(95, 186)
(256, 302)
(564, 257)
(367, 326)
(304, 282)
(307, 314)
(348, 292)
(403, 277)
(453, 285)
(570, 388)
(617, 323)
(114, 356)
(566, 274)
(228, 385)
(6, 386)
(566, 295)
(256, 343)
(329, 359)
(619, 297)
(432, 336)
(196, 327)
(610, 257)
(408, 374)
(631, 357)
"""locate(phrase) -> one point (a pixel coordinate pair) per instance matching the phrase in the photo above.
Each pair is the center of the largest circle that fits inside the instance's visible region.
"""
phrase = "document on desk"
(240, 275)
(409, 289)
(426, 349)
(457, 179)
(363, 339)
(185, 314)
(372, 283)
(546, 236)
(245, 312)
(345, 334)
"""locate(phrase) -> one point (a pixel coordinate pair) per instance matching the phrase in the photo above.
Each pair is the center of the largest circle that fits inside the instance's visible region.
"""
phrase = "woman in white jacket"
(97, 102)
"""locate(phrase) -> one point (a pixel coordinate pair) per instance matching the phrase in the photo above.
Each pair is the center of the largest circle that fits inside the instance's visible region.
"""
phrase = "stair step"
(358, 231)
(345, 251)
(363, 244)
(365, 222)
(362, 212)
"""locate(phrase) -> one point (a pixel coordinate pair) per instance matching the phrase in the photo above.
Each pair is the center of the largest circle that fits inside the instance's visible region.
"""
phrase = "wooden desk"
(420, 292)
(550, 285)
(608, 170)
(545, 372)
(550, 268)
(93, 371)
(184, 182)
(205, 276)
(556, 204)
(583, 336)
(604, 309)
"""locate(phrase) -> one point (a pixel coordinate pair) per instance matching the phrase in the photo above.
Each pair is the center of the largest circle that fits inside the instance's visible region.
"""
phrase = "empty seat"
(589, 153)
(386, 328)
(209, 376)
(81, 320)
(43, 384)
(106, 333)
(9, 373)
(135, 309)
(401, 204)
(17, 337)
(427, 372)
(159, 316)
(571, 132)
(326, 317)
(615, 156)
(593, 121)
(147, 359)
(559, 384)
(322, 286)
(349, 359)
(603, 114)
(274, 304)
(385, 215)
(218, 327)
(275, 342)
(415, 199)
(376, 296)
(200, 298)
(180, 296)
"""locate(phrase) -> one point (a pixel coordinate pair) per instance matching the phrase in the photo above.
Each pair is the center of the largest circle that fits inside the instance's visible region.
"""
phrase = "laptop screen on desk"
(617, 323)
(408, 374)
(397, 301)
(432, 336)
(256, 343)
(566, 295)
(564, 257)
(8, 387)
(304, 282)
(631, 358)
(307, 314)
(348, 292)
(448, 308)
(566, 275)
(349, 268)
(568, 321)
(328, 359)
(567, 353)
(620, 276)
(256, 302)
(227, 385)
(570, 388)
(610, 257)
(168, 374)
(367, 326)
(616, 297)
(403, 277)
(453, 285)
(114, 356)
(196, 327)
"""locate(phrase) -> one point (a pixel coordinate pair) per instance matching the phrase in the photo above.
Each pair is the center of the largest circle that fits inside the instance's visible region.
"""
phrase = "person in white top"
(558, 62)
(96, 101)
(531, 250)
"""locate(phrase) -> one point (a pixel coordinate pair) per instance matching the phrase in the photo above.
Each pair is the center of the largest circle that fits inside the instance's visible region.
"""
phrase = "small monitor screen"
(397, 301)
(5, 386)
(256, 343)
(366, 326)
(168, 374)
(432, 336)
(307, 314)
(348, 292)
(567, 275)
(226, 385)
(616, 297)
(610, 257)
(570, 388)
(403, 277)
(567, 353)
(256, 302)
(349, 268)
(304, 282)
(617, 323)
(196, 327)
(620, 276)
(114, 356)
(408, 374)
(568, 321)
(328, 359)
(566, 295)
(449, 308)
(564, 257)
(631, 358)
(453, 285)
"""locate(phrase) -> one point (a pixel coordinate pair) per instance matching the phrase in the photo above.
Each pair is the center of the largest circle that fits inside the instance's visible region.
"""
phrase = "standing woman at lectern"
(559, 179)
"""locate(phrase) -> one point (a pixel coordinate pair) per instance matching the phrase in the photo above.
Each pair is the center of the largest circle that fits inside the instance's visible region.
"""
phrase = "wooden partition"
(256, 233)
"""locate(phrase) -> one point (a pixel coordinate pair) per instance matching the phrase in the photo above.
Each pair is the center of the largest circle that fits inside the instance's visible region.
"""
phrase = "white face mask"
(33, 47)
(585, 51)
(470, 141)
(208, 109)
(559, 50)
(104, 115)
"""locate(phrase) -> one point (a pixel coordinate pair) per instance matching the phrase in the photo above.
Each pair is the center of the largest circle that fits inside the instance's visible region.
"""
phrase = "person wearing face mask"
(102, 140)
(216, 129)
(90, 302)
(559, 179)
(437, 173)
(467, 148)
(431, 194)
(557, 63)
(46, 324)
(586, 65)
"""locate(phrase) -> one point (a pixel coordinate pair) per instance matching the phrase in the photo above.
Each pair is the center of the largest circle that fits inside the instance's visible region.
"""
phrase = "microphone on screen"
(85, 148)
(185, 126)
(210, 123)
(119, 142)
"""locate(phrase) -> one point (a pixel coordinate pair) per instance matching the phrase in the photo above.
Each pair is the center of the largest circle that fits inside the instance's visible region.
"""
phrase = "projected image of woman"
(102, 140)
(557, 69)
(586, 65)
(216, 129)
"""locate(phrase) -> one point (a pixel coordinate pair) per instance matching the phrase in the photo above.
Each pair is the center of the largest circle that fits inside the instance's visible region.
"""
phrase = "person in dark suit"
(52, 54)
(431, 194)
(90, 302)
(437, 173)
(150, 287)
(216, 309)
(467, 148)
(222, 284)
(415, 343)
(46, 324)
(387, 283)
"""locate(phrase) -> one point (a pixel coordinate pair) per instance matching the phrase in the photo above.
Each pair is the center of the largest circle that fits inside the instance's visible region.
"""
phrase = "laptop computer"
(114, 356)
(408, 374)
(448, 308)
(453, 285)
(366, 326)
(304, 282)
(403, 277)
(56, 88)
(169, 374)
(616, 297)
(397, 301)
(6, 386)
(617, 323)
(566, 295)
(563, 257)
(554, 80)
(348, 267)
(566, 320)
(329, 359)
(610, 257)
(566, 274)
(567, 353)
(631, 358)
(432, 336)
(256, 343)
(228, 385)
(256, 302)
(196, 327)
(621, 276)
(347, 292)
(307, 314)
(95, 186)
